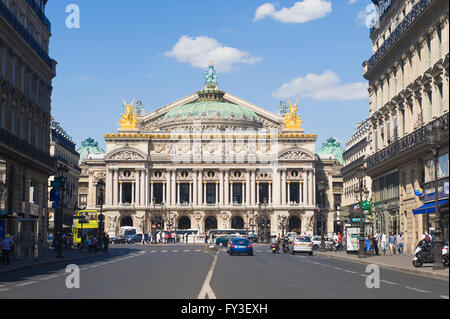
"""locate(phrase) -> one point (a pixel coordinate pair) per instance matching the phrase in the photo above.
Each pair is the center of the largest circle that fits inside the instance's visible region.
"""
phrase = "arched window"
(184, 223)
(126, 221)
(237, 222)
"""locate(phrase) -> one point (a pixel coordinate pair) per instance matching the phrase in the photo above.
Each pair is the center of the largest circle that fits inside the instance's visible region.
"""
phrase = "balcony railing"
(398, 32)
(26, 149)
(40, 13)
(20, 29)
(415, 138)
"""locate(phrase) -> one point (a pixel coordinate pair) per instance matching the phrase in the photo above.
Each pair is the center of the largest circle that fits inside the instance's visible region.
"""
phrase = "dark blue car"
(241, 246)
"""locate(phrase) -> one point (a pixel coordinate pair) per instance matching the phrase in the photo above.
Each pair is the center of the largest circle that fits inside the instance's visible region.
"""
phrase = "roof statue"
(129, 120)
(292, 121)
(211, 77)
(331, 147)
(283, 108)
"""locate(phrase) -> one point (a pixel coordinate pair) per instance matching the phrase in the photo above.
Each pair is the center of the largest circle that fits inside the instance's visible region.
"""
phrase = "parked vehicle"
(241, 246)
(317, 242)
(302, 244)
(119, 240)
(424, 254)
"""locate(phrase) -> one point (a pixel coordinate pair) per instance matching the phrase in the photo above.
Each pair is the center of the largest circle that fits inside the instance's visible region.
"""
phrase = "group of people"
(389, 244)
(7, 249)
(95, 244)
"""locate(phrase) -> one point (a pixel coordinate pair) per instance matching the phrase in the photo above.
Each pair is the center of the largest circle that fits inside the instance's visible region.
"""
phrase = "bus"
(128, 231)
(86, 224)
(241, 232)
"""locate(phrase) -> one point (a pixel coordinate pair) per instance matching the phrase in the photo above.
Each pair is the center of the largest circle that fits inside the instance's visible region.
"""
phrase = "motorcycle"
(425, 255)
(275, 248)
(286, 249)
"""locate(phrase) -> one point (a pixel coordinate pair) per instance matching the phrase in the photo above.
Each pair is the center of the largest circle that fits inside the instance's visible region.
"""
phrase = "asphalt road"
(189, 272)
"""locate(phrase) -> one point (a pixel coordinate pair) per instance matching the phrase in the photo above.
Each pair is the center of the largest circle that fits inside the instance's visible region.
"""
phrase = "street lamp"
(61, 172)
(101, 217)
(434, 136)
(263, 222)
(362, 189)
(321, 187)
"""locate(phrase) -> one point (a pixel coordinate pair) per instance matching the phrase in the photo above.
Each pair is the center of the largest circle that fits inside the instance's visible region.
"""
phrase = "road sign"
(154, 226)
(101, 217)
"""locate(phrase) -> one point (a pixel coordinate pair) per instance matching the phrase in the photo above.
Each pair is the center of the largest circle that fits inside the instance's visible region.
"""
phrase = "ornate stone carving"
(127, 156)
(295, 155)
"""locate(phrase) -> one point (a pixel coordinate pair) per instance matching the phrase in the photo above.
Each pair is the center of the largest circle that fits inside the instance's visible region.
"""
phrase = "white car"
(302, 244)
(317, 241)
(291, 236)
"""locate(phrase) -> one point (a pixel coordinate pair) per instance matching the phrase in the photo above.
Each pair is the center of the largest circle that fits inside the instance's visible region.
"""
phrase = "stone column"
(270, 192)
(200, 188)
(164, 193)
(136, 191)
(132, 192)
(204, 193)
(247, 189)
(195, 186)
(191, 197)
(257, 193)
(227, 188)
(311, 188)
(116, 187)
(168, 201)
(253, 188)
(243, 192)
(108, 190)
(151, 192)
(120, 195)
(283, 187)
(221, 191)
(314, 187)
(178, 193)
(276, 186)
(174, 187)
(146, 182)
(143, 188)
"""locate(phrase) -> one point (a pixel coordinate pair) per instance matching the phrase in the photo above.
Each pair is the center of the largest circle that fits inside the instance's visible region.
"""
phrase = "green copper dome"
(89, 147)
(211, 109)
(331, 147)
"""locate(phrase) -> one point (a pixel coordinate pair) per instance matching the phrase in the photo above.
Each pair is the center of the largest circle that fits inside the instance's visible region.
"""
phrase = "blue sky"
(157, 52)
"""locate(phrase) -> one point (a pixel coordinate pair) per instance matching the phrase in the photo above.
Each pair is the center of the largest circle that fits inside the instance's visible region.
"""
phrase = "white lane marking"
(175, 251)
(153, 251)
(363, 275)
(418, 290)
(350, 271)
(206, 289)
(26, 284)
(389, 282)
(49, 277)
(197, 250)
(187, 250)
(164, 251)
(4, 289)
(338, 268)
(444, 297)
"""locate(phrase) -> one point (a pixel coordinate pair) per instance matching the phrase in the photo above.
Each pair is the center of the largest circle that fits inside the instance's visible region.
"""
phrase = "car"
(302, 244)
(241, 246)
(317, 241)
(50, 238)
(230, 240)
(253, 237)
(119, 240)
(132, 239)
(222, 240)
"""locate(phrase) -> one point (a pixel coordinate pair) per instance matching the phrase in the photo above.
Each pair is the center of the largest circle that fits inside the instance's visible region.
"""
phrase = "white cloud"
(199, 51)
(326, 86)
(368, 17)
(300, 12)
(352, 1)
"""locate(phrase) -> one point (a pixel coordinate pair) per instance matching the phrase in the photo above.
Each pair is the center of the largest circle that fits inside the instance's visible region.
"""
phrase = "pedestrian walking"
(375, 240)
(7, 245)
(384, 243)
(392, 242)
(339, 242)
(400, 244)
(367, 245)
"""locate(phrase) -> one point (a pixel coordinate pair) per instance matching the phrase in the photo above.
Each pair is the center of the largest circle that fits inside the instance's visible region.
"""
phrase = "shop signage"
(34, 209)
(429, 190)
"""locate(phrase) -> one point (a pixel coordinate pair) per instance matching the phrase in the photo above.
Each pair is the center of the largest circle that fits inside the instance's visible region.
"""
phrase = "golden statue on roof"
(292, 121)
(129, 120)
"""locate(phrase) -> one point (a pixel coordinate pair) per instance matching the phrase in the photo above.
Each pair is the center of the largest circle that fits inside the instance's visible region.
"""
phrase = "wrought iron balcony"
(412, 140)
(40, 13)
(20, 29)
(398, 32)
(22, 146)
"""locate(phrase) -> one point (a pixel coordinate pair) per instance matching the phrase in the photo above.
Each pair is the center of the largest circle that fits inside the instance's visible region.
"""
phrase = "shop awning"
(429, 207)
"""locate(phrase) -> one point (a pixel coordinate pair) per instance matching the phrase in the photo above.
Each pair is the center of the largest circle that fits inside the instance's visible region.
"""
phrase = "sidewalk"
(48, 257)
(397, 262)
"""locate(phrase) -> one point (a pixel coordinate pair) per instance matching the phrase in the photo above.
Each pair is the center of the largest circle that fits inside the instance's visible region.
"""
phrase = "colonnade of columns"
(277, 192)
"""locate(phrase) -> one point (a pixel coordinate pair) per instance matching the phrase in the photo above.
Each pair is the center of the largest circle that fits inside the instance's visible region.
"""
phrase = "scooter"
(275, 248)
(286, 249)
(425, 255)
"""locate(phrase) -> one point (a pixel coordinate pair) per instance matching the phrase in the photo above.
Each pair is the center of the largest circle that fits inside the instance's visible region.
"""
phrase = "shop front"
(428, 209)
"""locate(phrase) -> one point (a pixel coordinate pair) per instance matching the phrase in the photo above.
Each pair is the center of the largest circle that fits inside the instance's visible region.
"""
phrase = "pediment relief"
(296, 154)
(127, 155)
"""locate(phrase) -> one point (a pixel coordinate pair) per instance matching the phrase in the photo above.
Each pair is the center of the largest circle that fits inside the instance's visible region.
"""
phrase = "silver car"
(302, 244)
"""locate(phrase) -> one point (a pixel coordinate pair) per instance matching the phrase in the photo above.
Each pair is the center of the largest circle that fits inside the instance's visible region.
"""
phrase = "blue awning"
(429, 207)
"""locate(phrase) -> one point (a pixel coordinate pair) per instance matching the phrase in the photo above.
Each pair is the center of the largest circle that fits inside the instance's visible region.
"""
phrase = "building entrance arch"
(210, 223)
(237, 222)
(126, 221)
(184, 223)
(295, 224)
